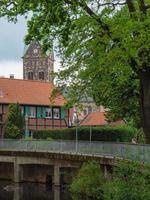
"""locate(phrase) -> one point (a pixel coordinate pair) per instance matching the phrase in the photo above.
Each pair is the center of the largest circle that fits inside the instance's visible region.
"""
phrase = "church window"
(30, 75)
(89, 109)
(41, 75)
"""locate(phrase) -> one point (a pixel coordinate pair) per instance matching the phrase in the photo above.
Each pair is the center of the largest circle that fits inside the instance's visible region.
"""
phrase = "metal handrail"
(139, 152)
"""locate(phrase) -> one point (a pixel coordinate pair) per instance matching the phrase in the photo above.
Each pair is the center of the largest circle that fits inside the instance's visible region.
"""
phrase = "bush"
(14, 116)
(140, 136)
(117, 134)
(12, 132)
(88, 182)
(131, 181)
(15, 122)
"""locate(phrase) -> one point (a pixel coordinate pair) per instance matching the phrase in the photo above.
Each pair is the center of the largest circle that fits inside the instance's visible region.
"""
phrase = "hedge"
(117, 134)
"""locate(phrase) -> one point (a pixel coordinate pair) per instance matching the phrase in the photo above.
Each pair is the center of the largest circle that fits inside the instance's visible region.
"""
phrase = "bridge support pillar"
(17, 172)
(18, 192)
(56, 193)
(56, 175)
(105, 171)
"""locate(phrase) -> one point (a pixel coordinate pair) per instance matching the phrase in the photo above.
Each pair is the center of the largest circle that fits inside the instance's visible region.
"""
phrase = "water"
(32, 191)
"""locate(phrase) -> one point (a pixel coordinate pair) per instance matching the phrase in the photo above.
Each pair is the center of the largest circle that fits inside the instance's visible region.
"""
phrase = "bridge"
(48, 160)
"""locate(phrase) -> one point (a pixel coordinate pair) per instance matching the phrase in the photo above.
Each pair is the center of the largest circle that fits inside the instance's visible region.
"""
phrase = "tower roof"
(25, 49)
(48, 53)
(99, 119)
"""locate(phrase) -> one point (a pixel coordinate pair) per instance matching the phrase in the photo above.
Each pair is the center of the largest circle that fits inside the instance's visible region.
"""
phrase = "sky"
(11, 47)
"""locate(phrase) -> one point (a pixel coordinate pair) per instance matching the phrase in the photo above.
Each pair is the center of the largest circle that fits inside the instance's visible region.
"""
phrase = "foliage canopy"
(129, 181)
(15, 122)
(89, 181)
(104, 48)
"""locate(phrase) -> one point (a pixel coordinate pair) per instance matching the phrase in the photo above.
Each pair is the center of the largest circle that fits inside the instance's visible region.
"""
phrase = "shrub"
(14, 123)
(119, 133)
(12, 131)
(131, 181)
(140, 136)
(88, 182)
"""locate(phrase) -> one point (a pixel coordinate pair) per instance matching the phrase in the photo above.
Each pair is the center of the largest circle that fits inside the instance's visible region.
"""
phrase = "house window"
(30, 75)
(41, 75)
(32, 112)
(22, 109)
(48, 113)
(56, 113)
(0, 117)
(40, 112)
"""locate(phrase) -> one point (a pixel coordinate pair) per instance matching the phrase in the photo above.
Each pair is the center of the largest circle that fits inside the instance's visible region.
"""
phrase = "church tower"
(36, 65)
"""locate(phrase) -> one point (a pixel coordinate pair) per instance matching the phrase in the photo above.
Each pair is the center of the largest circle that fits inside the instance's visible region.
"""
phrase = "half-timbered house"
(34, 99)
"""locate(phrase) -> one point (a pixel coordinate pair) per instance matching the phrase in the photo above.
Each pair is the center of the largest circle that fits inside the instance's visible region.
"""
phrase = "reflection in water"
(31, 191)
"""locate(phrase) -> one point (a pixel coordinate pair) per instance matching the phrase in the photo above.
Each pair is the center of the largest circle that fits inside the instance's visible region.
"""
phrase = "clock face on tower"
(35, 51)
(36, 62)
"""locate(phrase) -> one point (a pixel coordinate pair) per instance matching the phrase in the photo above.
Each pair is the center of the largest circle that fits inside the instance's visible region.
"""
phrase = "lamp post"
(77, 137)
(90, 135)
(77, 124)
(26, 126)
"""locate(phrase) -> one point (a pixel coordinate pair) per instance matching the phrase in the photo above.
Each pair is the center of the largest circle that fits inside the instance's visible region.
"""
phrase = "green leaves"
(12, 131)
(130, 182)
(15, 122)
(89, 181)
(103, 46)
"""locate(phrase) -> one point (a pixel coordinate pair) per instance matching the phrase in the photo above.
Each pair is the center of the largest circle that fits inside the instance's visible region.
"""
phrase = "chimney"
(11, 76)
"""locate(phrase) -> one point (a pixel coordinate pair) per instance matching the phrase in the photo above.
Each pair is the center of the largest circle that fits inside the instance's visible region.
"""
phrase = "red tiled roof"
(28, 92)
(94, 119)
(98, 119)
(119, 122)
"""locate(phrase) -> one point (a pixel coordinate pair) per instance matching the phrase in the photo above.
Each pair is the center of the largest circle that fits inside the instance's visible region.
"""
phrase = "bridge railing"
(123, 150)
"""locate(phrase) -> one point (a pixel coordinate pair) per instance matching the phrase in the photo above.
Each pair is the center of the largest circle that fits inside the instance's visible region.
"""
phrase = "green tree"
(104, 48)
(131, 181)
(15, 122)
(89, 182)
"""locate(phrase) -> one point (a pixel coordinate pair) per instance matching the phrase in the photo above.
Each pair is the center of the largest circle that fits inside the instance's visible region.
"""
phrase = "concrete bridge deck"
(52, 156)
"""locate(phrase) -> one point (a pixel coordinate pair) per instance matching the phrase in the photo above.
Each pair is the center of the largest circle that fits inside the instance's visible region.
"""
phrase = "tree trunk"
(145, 103)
